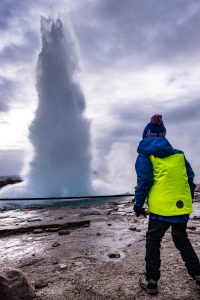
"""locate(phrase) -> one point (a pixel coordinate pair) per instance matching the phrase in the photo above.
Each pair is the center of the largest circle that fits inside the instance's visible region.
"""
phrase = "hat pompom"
(155, 128)
(156, 119)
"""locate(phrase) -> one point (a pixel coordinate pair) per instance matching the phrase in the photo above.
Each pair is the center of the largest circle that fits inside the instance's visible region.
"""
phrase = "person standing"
(165, 178)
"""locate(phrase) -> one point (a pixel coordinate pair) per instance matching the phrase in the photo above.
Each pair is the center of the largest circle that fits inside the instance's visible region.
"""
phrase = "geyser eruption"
(60, 133)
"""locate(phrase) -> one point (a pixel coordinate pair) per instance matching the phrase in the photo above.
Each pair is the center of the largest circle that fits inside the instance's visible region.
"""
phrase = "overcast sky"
(137, 57)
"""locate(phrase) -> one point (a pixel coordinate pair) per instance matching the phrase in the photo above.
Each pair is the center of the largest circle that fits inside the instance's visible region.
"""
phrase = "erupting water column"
(60, 133)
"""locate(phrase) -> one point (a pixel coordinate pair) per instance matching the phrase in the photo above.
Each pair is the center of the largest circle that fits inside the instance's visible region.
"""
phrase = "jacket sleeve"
(190, 175)
(144, 171)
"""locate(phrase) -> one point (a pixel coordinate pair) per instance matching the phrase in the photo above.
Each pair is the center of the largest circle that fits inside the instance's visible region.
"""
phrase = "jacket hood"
(158, 146)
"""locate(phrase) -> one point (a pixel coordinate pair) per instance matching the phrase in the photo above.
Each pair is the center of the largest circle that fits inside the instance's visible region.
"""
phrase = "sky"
(137, 58)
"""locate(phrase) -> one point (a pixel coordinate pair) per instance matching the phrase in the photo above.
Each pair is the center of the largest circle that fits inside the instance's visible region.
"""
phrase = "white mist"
(59, 133)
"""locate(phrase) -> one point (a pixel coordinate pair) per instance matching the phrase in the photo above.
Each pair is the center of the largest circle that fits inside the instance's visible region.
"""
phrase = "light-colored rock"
(63, 266)
(14, 285)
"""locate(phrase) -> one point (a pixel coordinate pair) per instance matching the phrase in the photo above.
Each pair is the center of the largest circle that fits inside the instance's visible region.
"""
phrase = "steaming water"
(60, 133)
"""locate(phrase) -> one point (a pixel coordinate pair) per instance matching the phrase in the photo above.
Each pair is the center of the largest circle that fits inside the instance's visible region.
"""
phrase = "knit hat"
(155, 128)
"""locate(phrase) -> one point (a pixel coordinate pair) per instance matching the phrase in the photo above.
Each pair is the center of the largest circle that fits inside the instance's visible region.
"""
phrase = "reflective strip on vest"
(170, 193)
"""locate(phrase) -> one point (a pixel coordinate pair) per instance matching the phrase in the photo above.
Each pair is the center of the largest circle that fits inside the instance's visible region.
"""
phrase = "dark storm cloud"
(17, 54)
(184, 112)
(141, 31)
(132, 118)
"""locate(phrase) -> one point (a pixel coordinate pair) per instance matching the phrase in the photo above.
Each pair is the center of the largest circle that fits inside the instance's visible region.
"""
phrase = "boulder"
(14, 285)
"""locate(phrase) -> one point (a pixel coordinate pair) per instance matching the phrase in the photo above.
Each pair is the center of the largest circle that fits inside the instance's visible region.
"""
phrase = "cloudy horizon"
(137, 58)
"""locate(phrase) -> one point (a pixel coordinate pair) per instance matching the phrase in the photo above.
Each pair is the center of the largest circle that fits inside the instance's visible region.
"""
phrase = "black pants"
(155, 233)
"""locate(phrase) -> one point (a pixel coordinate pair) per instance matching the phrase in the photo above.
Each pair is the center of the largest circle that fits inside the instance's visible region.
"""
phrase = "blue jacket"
(160, 147)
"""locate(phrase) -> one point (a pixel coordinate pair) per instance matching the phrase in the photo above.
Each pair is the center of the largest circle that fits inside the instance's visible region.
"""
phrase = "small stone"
(39, 230)
(191, 227)
(98, 233)
(129, 245)
(109, 224)
(64, 232)
(40, 283)
(114, 254)
(138, 230)
(62, 266)
(133, 228)
(55, 244)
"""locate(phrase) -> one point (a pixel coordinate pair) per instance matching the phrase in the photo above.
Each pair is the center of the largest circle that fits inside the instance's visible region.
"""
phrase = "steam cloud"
(60, 133)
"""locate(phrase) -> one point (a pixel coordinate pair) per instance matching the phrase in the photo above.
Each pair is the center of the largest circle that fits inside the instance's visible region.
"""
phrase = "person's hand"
(139, 211)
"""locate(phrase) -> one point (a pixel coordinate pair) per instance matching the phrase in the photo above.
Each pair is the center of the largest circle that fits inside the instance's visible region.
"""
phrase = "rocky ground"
(91, 252)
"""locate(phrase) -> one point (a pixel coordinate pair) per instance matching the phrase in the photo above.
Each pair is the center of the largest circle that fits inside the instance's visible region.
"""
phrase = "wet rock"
(113, 254)
(135, 221)
(40, 283)
(191, 227)
(54, 229)
(196, 218)
(39, 230)
(115, 209)
(133, 228)
(55, 244)
(14, 285)
(29, 261)
(194, 232)
(197, 189)
(98, 233)
(64, 232)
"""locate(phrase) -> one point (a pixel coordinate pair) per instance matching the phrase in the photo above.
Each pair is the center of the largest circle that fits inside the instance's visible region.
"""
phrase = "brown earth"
(72, 263)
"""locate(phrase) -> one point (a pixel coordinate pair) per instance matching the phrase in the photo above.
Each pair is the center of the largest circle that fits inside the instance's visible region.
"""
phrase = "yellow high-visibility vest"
(170, 193)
